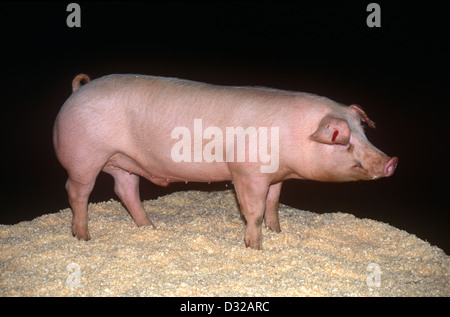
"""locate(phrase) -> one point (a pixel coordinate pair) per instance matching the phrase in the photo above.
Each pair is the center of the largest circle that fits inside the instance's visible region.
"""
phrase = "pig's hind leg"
(126, 186)
(78, 192)
(79, 186)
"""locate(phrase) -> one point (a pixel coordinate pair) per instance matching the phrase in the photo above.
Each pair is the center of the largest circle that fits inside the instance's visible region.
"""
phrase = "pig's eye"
(357, 164)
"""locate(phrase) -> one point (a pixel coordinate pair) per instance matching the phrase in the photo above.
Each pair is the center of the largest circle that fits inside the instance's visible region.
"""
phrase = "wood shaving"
(197, 249)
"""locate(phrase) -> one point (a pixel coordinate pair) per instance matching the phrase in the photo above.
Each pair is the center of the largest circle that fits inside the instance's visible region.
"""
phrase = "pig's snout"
(390, 167)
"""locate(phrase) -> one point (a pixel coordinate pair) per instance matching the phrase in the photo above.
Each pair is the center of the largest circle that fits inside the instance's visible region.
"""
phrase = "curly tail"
(76, 83)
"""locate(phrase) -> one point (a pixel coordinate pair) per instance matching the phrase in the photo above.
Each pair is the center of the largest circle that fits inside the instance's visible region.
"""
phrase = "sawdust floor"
(198, 250)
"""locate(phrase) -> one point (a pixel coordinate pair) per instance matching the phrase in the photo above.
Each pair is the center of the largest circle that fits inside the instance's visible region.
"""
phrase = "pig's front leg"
(271, 213)
(252, 194)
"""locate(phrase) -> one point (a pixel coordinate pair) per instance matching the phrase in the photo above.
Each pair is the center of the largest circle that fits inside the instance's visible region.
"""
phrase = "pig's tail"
(77, 81)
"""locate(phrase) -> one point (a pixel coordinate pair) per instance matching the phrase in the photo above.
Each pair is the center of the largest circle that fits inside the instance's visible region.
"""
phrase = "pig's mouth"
(370, 174)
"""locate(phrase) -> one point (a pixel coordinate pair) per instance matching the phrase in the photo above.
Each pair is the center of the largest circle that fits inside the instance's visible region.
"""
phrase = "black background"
(397, 73)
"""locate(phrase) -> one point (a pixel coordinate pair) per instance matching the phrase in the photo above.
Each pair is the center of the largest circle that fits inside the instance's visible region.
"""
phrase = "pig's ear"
(363, 115)
(332, 130)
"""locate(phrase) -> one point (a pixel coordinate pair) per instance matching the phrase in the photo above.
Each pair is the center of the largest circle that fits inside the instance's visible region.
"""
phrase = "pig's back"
(143, 93)
(124, 106)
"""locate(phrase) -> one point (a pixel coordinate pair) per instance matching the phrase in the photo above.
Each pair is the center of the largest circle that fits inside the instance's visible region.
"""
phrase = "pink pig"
(171, 130)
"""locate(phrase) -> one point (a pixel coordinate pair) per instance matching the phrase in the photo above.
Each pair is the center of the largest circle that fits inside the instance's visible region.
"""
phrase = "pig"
(124, 124)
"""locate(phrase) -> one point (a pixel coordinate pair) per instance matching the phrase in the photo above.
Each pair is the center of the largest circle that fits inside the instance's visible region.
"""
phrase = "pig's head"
(344, 153)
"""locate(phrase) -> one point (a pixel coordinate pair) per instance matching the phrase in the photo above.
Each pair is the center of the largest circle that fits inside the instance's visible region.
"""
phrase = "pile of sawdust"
(198, 250)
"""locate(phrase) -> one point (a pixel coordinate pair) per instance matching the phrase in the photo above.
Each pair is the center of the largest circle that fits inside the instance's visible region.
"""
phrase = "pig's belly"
(164, 171)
